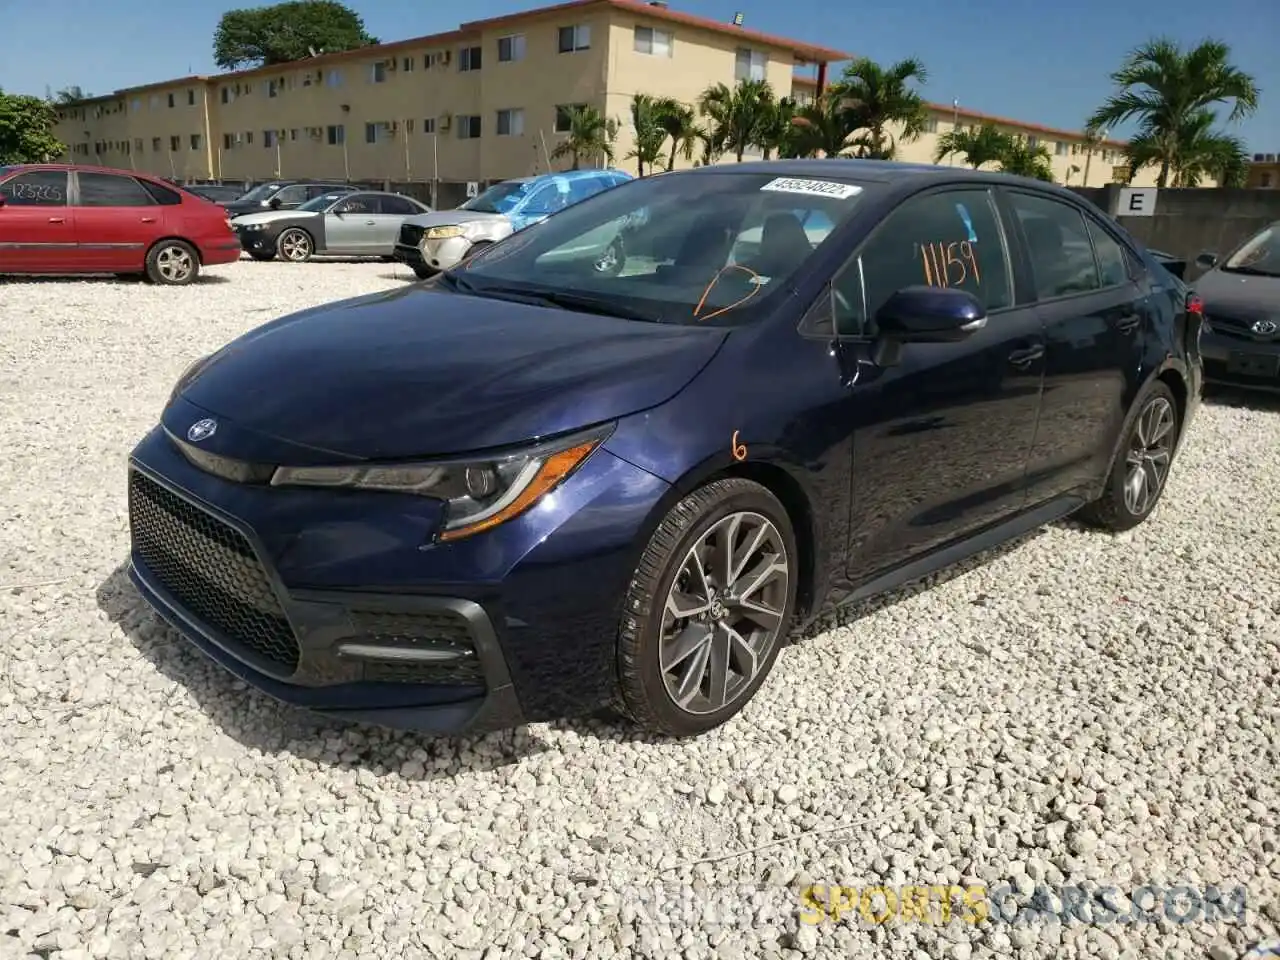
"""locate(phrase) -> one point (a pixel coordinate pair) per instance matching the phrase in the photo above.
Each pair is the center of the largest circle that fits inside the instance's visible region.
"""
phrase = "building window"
(408, 125)
(1059, 149)
(429, 125)
(468, 127)
(564, 115)
(575, 38)
(337, 135)
(1033, 142)
(376, 132)
(469, 58)
(378, 72)
(273, 88)
(333, 78)
(155, 100)
(227, 141)
(749, 64)
(191, 98)
(137, 104)
(511, 48)
(155, 144)
(269, 138)
(433, 59)
(248, 137)
(226, 94)
(175, 144)
(408, 63)
(1264, 181)
(195, 141)
(654, 42)
(931, 125)
(510, 123)
(171, 101)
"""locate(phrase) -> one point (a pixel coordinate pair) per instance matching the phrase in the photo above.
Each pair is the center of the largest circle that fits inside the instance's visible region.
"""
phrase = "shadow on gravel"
(408, 276)
(127, 280)
(1222, 396)
(259, 722)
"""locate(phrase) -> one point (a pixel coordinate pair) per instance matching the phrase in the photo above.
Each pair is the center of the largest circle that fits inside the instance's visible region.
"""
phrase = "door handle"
(148, 219)
(57, 219)
(1027, 356)
(371, 223)
(1128, 323)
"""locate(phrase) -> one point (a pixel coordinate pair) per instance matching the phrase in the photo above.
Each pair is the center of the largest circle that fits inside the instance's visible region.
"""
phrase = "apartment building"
(485, 102)
(1264, 172)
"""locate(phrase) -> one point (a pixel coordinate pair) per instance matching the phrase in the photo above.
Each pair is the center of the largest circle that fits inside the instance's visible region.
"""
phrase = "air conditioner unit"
(444, 121)
(239, 138)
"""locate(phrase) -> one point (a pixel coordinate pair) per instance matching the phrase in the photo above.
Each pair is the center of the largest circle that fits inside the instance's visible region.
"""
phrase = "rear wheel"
(1141, 466)
(173, 263)
(295, 245)
(708, 608)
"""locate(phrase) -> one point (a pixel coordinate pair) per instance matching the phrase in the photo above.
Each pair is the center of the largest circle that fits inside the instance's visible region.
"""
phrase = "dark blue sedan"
(539, 483)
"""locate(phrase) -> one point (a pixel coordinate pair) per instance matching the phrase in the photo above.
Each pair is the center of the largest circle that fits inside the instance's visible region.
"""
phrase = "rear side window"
(398, 206)
(40, 188)
(110, 190)
(1059, 246)
(161, 194)
(1113, 266)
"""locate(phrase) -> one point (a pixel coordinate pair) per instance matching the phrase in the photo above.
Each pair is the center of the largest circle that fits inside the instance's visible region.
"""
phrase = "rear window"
(161, 194)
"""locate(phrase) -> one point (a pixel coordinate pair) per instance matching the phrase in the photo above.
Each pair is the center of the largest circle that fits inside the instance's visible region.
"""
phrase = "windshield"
(499, 198)
(261, 192)
(322, 202)
(683, 248)
(1260, 255)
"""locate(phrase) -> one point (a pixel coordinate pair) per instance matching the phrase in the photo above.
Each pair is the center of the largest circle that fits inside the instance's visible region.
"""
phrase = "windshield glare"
(1261, 254)
(499, 198)
(261, 192)
(688, 248)
(322, 202)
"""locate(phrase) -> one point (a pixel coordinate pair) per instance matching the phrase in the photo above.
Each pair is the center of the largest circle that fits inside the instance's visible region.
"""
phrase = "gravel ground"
(1075, 710)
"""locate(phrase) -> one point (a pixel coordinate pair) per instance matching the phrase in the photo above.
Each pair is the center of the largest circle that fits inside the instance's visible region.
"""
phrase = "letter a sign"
(1137, 202)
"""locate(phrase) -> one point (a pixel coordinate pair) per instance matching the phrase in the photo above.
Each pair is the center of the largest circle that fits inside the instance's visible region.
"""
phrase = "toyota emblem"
(1264, 327)
(202, 430)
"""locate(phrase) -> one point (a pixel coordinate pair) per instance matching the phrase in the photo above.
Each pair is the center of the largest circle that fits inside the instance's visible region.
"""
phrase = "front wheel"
(1141, 467)
(172, 263)
(295, 245)
(708, 608)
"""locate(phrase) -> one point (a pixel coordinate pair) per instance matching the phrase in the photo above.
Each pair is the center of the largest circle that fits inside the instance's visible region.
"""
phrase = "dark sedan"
(282, 195)
(528, 487)
(1241, 296)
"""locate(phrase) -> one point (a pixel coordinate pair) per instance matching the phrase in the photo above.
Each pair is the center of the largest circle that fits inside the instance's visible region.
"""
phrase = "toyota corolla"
(529, 488)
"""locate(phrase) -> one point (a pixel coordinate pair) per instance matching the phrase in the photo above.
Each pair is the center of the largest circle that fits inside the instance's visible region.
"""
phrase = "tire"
(295, 245)
(423, 272)
(173, 263)
(1147, 445)
(648, 692)
(612, 261)
(262, 256)
(477, 247)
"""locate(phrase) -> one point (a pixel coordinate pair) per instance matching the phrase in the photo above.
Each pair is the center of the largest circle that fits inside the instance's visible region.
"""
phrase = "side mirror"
(930, 315)
(1207, 260)
(274, 203)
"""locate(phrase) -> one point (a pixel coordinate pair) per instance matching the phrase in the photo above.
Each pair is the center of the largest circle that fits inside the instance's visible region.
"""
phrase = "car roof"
(878, 171)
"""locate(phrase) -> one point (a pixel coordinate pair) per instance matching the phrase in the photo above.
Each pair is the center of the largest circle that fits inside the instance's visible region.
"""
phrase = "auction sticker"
(813, 188)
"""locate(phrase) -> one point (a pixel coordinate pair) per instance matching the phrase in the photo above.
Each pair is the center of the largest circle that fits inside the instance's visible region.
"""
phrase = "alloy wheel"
(295, 245)
(723, 613)
(1150, 452)
(174, 264)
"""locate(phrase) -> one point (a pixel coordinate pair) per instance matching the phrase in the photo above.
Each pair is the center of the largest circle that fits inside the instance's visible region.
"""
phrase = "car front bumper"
(336, 600)
(257, 241)
(1240, 360)
(433, 254)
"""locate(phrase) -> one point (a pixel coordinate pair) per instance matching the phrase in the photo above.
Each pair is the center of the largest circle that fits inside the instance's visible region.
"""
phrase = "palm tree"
(879, 96)
(738, 114)
(1164, 87)
(72, 94)
(1023, 159)
(650, 136)
(1203, 152)
(590, 135)
(978, 147)
(1093, 137)
(823, 126)
(776, 127)
(712, 148)
(679, 122)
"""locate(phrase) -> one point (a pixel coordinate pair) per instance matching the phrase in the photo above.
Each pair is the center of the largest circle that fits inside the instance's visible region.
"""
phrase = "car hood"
(424, 372)
(270, 216)
(448, 218)
(1240, 294)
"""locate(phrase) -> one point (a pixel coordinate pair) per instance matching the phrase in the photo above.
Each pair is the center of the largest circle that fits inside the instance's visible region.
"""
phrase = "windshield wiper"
(1251, 271)
(582, 303)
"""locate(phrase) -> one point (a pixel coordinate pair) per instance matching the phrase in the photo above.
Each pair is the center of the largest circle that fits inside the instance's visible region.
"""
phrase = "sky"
(1046, 63)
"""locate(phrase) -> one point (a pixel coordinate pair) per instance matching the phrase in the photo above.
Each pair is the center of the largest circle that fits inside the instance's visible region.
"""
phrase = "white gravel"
(1078, 708)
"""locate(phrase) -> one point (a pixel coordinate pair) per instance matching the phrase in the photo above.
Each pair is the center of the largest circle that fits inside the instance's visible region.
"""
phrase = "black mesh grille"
(411, 234)
(211, 569)
(445, 632)
(1235, 327)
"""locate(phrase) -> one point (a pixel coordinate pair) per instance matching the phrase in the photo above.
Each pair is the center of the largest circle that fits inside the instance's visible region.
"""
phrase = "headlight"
(479, 493)
(253, 226)
(188, 375)
(444, 233)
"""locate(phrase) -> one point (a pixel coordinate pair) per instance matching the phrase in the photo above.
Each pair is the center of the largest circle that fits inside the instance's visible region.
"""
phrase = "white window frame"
(466, 55)
(653, 42)
(516, 45)
(464, 126)
(581, 37)
(756, 62)
(515, 122)
(378, 72)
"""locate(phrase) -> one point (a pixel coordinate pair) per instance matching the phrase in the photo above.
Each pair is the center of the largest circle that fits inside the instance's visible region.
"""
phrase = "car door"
(350, 227)
(941, 438)
(392, 211)
(117, 221)
(37, 227)
(1092, 318)
(287, 198)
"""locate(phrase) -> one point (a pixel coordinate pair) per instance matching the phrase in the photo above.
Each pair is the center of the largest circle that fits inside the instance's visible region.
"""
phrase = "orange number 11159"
(949, 264)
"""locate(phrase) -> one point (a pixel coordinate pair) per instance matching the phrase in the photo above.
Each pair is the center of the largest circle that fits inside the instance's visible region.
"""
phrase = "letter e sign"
(1137, 202)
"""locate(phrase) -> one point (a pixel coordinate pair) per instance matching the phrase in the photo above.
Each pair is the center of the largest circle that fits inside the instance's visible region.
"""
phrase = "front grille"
(1236, 327)
(411, 234)
(437, 631)
(211, 570)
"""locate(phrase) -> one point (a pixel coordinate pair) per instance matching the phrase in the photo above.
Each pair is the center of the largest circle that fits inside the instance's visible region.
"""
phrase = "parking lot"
(1080, 709)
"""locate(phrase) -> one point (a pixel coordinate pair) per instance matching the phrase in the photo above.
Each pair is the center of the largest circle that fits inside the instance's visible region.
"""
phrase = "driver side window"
(291, 195)
(951, 238)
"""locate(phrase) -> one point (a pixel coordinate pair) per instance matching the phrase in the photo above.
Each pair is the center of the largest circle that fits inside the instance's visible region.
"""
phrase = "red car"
(62, 219)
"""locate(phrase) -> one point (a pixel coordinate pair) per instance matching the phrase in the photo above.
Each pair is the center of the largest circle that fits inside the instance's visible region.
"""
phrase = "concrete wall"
(1189, 222)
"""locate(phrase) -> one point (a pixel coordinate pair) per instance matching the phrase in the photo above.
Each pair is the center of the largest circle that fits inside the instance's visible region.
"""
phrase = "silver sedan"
(363, 224)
